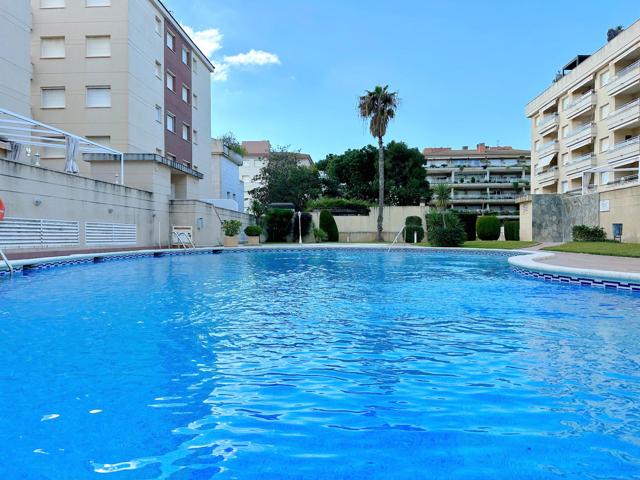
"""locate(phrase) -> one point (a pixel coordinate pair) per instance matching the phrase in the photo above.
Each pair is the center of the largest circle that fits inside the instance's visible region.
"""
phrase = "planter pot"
(230, 241)
(253, 240)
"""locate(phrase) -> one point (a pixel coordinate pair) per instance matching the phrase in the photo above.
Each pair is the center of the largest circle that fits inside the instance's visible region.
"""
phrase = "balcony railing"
(624, 79)
(620, 182)
(548, 175)
(548, 124)
(627, 150)
(485, 197)
(581, 136)
(580, 163)
(548, 148)
(582, 104)
(626, 115)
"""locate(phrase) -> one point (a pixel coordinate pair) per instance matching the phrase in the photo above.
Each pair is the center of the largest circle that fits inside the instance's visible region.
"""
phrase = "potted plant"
(231, 229)
(253, 233)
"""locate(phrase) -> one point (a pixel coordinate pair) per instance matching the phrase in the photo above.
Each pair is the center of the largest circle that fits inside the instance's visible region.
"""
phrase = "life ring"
(1, 210)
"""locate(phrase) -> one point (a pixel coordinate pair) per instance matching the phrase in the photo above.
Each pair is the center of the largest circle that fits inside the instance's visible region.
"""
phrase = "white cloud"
(210, 42)
(253, 57)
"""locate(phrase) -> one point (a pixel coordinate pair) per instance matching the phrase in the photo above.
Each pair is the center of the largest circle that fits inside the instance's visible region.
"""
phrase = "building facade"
(124, 74)
(585, 131)
(486, 179)
(15, 61)
(228, 189)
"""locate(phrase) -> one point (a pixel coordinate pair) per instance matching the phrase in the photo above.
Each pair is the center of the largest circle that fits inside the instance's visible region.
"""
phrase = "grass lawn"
(507, 245)
(600, 248)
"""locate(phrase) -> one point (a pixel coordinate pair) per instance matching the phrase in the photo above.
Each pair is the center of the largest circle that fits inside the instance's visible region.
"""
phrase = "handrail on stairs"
(7, 262)
(395, 240)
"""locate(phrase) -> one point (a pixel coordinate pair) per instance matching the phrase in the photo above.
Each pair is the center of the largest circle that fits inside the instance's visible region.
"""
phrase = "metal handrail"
(7, 262)
(189, 240)
(395, 240)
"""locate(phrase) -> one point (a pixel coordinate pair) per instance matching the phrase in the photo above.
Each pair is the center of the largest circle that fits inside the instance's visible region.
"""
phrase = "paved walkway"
(591, 262)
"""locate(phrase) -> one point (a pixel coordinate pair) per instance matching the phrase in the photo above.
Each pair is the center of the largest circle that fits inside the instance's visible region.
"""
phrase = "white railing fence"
(110, 234)
(38, 233)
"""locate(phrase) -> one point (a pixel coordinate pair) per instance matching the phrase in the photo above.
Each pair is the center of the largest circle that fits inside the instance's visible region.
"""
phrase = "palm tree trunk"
(381, 186)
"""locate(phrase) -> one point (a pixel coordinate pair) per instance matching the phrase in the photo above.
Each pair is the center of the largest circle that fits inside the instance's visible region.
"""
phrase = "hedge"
(278, 222)
(253, 230)
(440, 236)
(586, 233)
(488, 228)
(328, 224)
(413, 229)
(306, 220)
(469, 223)
(512, 230)
(340, 205)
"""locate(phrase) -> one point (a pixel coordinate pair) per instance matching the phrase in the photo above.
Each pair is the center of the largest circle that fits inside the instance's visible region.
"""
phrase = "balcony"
(581, 105)
(581, 136)
(549, 148)
(626, 151)
(548, 176)
(627, 116)
(548, 124)
(501, 198)
(584, 162)
(625, 80)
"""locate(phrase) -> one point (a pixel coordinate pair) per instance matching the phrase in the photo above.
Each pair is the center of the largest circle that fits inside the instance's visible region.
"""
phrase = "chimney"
(481, 147)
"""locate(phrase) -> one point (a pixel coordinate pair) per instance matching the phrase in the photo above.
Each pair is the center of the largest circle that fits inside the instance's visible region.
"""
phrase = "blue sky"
(464, 70)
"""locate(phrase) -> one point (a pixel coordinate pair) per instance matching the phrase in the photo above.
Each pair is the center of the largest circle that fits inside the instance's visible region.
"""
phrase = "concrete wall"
(624, 207)
(15, 61)
(364, 228)
(526, 233)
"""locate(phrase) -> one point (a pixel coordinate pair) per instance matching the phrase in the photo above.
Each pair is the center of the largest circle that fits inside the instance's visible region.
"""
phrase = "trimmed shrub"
(439, 235)
(278, 222)
(328, 224)
(253, 231)
(488, 228)
(512, 230)
(469, 223)
(413, 229)
(587, 233)
(306, 220)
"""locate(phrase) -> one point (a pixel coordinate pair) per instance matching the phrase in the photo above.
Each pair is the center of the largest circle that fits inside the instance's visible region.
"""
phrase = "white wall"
(201, 119)
(15, 59)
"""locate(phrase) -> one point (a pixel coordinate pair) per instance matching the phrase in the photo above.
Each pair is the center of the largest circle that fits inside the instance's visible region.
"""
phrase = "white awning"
(546, 161)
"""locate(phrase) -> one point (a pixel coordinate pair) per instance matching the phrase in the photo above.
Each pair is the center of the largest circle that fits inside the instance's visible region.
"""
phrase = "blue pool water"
(316, 365)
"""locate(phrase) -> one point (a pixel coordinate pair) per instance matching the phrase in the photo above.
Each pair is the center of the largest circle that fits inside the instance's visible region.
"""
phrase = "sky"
(291, 71)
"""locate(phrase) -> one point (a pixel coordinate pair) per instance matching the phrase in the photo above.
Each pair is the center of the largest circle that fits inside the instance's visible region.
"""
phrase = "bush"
(451, 235)
(320, 234)
(469, 223)
(328, 224)
(253, 230)
(278, 222)
(306, 220)
(512, 230)
(586, 233)
(340, 206)
(231, 227)
(488, 228)
(413, 229)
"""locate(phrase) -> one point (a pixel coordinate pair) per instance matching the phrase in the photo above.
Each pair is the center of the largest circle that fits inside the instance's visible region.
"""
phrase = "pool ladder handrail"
(7, 262)
(395, 240)
(189, 240)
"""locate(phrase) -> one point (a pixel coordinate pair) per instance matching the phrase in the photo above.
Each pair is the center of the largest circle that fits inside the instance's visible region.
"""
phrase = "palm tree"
(379, 107)
(442, 193)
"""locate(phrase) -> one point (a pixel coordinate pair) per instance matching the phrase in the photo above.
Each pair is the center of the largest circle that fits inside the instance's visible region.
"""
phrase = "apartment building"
(485, 179)
(585, 131)
(124, 74)
(15, 61)
(228, 189)
(255, 157)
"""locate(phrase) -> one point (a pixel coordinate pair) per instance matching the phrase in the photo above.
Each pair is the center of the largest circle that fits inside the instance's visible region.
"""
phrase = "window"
(158, 70)
(51, 3)
(171, 41)
(195, 137)
(98, 3)
(604, 78)
(186, 132)
(194, 100)
(604, 178)
(185, 94)
(186, 57)
(158, 26)
(171, 122)
(98, 97)
(52, 47)
(53, 97)
(99, 46)
(604, 144)
(604, 111)
(158, 114)
(171, 81)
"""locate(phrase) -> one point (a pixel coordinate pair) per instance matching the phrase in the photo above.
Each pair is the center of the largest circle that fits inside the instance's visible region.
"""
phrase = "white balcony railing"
(548, 148)
(580, 136)
(626, 115)
(582, 104)
(548, 123)
(580, 163)
(548, 175)
(624, 79)
(627, 150)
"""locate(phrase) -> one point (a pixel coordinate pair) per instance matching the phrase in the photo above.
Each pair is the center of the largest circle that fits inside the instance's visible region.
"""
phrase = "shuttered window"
(98, 97)
(52, 47)
(99, 46)
(53, 97)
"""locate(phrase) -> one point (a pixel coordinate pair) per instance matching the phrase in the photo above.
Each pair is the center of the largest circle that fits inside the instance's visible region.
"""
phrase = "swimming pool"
(316, 365)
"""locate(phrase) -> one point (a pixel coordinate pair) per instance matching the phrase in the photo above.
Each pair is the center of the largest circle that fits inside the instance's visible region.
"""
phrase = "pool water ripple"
(313, 365)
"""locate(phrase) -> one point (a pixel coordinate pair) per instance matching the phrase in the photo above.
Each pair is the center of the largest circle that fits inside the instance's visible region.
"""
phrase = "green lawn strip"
(613, 249)
(506, 245)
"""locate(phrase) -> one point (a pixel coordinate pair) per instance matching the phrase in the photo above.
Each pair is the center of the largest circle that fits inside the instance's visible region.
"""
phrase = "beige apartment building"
(484, 179)
(15, 60)
(585, 131)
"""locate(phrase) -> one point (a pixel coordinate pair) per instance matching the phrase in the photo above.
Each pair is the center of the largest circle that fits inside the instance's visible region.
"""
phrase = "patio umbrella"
(72, 150)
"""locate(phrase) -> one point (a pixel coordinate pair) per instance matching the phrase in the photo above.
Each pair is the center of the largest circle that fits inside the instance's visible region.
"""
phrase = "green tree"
(379, 106)
(442, 195)
(406, 176)
(283, 179)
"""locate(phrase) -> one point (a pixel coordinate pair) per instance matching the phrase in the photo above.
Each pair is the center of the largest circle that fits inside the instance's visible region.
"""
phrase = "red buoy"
(1, 210)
